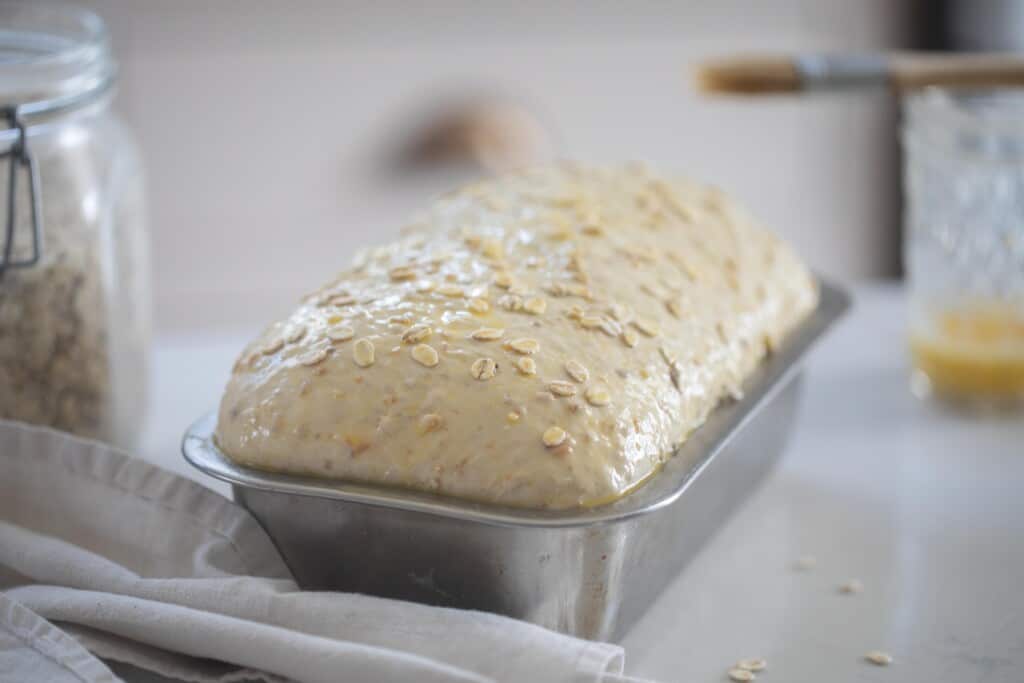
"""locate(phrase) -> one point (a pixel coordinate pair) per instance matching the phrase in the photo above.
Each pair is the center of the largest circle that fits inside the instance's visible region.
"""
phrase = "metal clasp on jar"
(20, 158)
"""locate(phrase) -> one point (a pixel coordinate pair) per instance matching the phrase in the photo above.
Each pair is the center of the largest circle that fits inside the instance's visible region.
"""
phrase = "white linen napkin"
(102, 552)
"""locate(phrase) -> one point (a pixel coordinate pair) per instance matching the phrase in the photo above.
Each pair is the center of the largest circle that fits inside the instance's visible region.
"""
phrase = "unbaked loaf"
(543, 340)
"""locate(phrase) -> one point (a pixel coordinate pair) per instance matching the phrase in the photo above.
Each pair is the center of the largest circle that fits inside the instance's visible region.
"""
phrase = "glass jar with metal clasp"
(74, 269)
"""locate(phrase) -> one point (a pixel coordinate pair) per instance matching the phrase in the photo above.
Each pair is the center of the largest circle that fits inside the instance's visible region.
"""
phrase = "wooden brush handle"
(760, 74)
(910, 71)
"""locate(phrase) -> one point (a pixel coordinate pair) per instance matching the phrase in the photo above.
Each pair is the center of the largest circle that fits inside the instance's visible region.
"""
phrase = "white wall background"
(263, 124)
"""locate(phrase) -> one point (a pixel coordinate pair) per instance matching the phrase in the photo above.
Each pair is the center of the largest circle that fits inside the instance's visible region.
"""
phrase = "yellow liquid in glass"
(977, 351)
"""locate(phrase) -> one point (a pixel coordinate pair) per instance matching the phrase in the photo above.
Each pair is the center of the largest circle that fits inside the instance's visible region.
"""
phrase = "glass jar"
(74, 272)
(964, 249)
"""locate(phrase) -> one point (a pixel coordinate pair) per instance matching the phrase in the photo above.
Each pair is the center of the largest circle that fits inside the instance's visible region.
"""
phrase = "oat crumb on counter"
(805, 563)
(753, 664)
(879, 658)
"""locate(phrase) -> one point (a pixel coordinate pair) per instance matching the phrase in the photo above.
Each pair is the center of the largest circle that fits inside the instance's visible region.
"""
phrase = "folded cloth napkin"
(107, 554)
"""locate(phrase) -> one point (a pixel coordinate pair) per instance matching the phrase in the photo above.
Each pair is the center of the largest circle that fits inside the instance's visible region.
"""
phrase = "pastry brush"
(766, 74)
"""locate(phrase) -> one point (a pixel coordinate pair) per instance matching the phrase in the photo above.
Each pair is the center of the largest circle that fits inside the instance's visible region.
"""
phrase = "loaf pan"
(589, 573)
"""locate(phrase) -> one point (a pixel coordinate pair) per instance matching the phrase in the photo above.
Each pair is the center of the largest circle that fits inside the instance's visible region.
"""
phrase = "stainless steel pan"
(589, 573)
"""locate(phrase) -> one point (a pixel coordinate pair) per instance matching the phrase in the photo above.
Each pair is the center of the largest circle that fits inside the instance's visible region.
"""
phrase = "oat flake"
(597, 396)
(402, 273)
(487, 334)
(430, 422)
(450, 290)
(535, 305)
(425, 355)
(576, 370)
(313, 357)
(416, 334)
(340, 333)
(483, 369)
(526, 365)
(524, 346)
(560, 388)
(648, 327)
(363, 353)
(805, 562)
(753, 664)
(502, 279)
(272, 346)
(554, 436)
(879, 658)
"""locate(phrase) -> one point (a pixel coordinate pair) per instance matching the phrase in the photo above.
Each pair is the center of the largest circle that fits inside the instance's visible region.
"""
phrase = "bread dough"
(543, 340)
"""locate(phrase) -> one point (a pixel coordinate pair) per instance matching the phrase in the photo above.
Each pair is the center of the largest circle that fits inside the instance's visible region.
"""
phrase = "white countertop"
(921, 504)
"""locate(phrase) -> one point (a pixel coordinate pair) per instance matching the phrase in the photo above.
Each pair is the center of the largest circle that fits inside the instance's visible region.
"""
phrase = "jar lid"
(53, 57)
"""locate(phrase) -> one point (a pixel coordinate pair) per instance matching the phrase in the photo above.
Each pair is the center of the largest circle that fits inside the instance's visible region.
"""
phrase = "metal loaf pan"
(590, 573)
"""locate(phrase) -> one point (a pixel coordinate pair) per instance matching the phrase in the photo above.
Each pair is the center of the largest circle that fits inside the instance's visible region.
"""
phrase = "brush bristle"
(748, 76)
